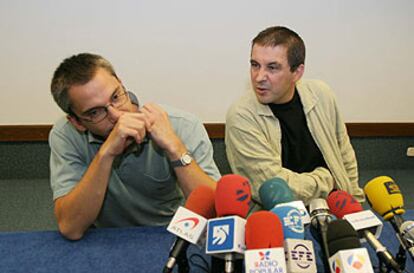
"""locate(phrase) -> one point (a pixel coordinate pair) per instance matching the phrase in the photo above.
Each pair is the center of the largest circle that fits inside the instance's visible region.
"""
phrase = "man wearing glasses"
(114, 162)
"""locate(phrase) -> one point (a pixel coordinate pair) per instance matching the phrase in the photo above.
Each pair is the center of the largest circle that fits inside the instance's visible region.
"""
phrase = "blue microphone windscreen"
(275, 191)
(291, 221)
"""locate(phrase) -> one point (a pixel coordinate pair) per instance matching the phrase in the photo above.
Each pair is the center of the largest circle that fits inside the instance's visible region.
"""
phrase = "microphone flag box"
(300, 256)
(365, 220)
(301, 207)
(226, 235)
(351, 261)
(265, 260)
(187, 225)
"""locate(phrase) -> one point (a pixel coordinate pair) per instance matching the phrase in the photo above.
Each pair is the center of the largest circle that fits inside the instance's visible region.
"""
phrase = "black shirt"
(299, 151)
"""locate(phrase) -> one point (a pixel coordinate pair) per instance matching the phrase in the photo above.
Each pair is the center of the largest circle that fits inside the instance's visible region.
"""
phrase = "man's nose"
(113, 113)
(261, 75)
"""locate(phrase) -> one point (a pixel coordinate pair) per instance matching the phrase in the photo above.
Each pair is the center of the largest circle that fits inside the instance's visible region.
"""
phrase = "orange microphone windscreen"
(263, 230)
(342, 203)
(201, 201)
(233, 196)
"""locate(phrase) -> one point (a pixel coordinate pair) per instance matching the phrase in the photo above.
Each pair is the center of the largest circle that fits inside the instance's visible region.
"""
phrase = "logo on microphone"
(264, 255)
(243, 194)
(336, 266)
(342, 200)
(220, 235)
(392, 188)
(302, 256)
(266, 263)
(189, 223)
(356, 261)
(293, 220)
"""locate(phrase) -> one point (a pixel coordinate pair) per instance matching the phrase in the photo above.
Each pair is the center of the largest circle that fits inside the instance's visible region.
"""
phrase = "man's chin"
(263, 99)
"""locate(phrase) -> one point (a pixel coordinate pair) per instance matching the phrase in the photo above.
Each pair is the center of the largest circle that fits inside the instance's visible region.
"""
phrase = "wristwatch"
(184, 160)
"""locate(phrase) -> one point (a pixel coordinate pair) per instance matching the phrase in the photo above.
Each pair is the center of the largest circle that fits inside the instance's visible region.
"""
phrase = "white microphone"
(320, 217)
(365, 223)
(264, 243)
(407, 232)
(189, 224)
(225, 234)
(300, 255)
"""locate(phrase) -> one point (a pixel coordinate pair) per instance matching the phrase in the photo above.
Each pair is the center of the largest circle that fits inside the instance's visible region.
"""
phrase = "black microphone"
(365, 222)
(345, 252)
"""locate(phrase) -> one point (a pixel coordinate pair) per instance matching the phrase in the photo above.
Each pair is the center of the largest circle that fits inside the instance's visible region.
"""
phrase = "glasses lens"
(120, 99)
(98, 114)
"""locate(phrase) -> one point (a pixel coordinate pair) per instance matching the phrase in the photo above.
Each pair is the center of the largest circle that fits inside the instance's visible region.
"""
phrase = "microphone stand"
(383, 255)
(401, 257)
(229, 263)
(182, 263)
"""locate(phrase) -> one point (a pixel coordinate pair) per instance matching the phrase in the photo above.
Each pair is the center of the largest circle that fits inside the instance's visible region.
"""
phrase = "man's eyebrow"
(274, 63)
(116, 90)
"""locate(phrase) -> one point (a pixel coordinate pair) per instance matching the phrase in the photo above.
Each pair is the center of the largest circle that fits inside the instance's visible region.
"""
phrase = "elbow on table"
(70, 233)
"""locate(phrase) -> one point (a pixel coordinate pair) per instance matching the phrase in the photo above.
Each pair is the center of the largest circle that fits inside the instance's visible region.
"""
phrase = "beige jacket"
(253, 144)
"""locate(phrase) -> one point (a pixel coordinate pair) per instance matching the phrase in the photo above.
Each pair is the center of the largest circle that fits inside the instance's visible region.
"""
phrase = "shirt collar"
(93, 138)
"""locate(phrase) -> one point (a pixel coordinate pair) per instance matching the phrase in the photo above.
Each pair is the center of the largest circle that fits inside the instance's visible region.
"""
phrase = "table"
(136, 249)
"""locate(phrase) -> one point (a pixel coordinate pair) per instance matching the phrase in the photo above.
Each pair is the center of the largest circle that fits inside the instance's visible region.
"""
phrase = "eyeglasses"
(97, 114)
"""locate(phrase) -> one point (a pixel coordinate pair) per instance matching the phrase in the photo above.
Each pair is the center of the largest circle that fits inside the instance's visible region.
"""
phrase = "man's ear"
(76, 123)
(299, 72)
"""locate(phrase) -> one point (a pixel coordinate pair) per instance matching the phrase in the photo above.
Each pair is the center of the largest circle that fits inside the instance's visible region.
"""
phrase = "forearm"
(77, 210)
(306, 186)
(191, 176)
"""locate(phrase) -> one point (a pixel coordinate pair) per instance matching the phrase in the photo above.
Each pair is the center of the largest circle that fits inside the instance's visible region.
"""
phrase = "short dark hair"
(76, 70)
(279, 35)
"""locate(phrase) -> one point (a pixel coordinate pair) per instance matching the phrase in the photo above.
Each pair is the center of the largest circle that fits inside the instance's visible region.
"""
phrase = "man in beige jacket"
(287, 127)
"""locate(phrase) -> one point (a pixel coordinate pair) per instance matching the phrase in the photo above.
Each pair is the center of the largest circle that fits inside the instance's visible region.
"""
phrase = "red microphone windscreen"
(201, 201)
(263, 230)
(233, 196)
(342, 203)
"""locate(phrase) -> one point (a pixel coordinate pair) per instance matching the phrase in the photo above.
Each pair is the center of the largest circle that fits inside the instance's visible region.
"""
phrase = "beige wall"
(194, 54)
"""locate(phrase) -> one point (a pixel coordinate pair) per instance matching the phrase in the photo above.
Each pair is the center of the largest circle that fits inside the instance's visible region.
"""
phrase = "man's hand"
(129, 128)
(159, 126)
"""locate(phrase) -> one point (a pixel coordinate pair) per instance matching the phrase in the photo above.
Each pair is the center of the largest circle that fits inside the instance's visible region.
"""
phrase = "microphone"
(300, 255)
(225, 234)
(385, 198)
(276, 192)
(365, 223)
(320, 218)
(291, 221)
(345, 252)
(189, 223)
(264, 243)
(340, 199)
(407, 232)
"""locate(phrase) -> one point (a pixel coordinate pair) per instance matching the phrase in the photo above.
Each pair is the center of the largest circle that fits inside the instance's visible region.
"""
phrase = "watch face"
(186, 159)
